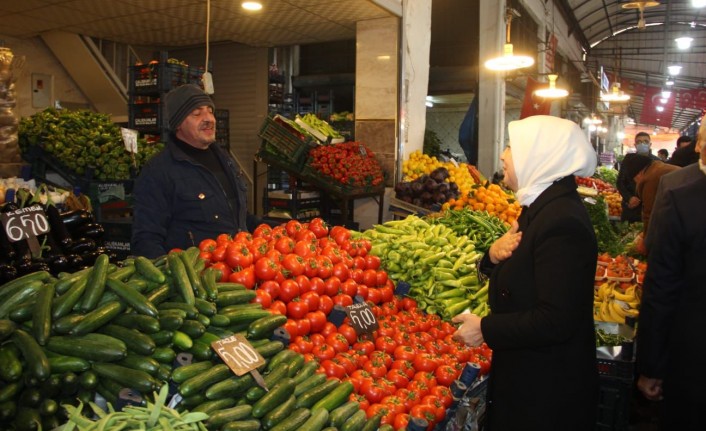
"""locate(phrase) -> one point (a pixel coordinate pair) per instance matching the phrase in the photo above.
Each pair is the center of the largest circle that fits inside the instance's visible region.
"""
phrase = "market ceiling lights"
(509, 61)
(615, 95)
(674, 70)
(641, 6)
(684, 42)
(251, 5)
(552, 92)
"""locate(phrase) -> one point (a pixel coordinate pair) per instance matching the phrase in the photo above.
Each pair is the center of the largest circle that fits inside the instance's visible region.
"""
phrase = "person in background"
(663, 154)
(192, 190)
(669, 358)
(686, 153)
(631, 203)
(544, 374)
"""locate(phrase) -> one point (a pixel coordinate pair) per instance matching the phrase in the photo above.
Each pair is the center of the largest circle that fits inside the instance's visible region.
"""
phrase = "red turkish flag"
(534, 105)
(650, 113)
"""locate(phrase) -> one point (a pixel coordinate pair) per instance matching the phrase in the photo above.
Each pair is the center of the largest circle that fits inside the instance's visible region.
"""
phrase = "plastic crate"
(112, 200)
(117, 237)
(286, 143)
(614, 404)
(161, 77)
(147, 117)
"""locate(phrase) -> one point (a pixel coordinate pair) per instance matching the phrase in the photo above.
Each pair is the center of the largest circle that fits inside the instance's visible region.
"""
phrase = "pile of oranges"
(492, 199)
(613, 200)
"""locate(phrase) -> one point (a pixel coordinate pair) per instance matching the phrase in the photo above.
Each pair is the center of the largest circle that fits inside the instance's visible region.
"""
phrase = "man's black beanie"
(182, 100)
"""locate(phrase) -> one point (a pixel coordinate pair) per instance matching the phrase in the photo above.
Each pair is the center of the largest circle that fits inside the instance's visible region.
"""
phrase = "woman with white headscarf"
(544, 374)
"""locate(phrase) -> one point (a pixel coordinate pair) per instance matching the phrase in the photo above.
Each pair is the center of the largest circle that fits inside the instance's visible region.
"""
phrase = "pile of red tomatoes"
(301, 270)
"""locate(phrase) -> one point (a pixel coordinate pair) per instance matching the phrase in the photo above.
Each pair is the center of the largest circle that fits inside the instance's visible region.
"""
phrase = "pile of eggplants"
(73, 242)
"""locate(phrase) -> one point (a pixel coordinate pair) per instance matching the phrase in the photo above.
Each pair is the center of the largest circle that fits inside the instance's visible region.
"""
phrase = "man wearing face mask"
(631, 204)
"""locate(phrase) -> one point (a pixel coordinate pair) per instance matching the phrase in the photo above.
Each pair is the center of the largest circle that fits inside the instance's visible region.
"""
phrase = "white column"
(491, 112)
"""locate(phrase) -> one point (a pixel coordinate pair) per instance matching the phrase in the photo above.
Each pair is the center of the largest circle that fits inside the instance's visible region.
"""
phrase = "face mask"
(642, 148)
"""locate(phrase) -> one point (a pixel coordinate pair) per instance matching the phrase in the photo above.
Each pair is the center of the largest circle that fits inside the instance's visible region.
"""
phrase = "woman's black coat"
(544, 374)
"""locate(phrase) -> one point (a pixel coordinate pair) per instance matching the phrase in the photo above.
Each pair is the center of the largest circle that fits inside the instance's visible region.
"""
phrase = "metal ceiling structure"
(608, 31)
(634, 42)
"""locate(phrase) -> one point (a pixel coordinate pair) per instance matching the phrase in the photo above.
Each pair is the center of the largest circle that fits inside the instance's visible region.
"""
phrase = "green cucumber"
(141, 322)
(182, 340)
(170, 321)
(131, 297)
(315, 380)
(230, 387)
(98, 317)
(356, 422)
(336, 397)
(340, 415)
(307, 370)
(65, 324)
(192, 274)
(7, 327)
(23, 312)
(11, 287)
(295, 365)
(220, 320)
(208, 281)
(205, 307)
(134, 340)
(205, 379)
(159, 294)
(234, 297)
(270, 348)
(211, 406)
(185, 372)
(36, 359)
(20, 295)
(95, 285)
(226, 286)
(310, 397)
(193, 328)
(295, 420)
(317, 420)
(240, 307)
(128, 377)
(163, 337)
(244, 425)
(201, 351)
(279, 413)
(88, 380)
(224, 416)
(164, 355)
(190, 310)
(272, 378)
(64, 364)
(11, 369)
(64, 284)
(41, 320)
(283, 356)
(180, 278)
(139, 362)
(92, 347)
(265, 326)
(10, 391)
(373, 422)
(148, 270)
(63, 304)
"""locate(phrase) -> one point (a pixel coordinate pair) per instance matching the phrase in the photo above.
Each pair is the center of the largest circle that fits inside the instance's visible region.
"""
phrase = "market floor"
(643, 413)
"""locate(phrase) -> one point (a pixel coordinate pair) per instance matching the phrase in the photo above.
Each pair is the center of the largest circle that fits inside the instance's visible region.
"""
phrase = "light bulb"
(674, 70)
(684, 42)
(509, 61)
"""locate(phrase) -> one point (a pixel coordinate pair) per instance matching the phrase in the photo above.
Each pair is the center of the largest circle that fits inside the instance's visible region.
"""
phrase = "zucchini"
(65, 324)
(141, 322)
(41, 320)
(180, 277)
(205, 379)
(265, 326)
(336, 397)
(98, 317)
(224, 416)
(192, 274)
(36, 359)
(23, 312)
(95, 284)
(134, 340)
(27, 419)
(131, 297)
(139, 362)
(164, 372)
(317, 420)
(64, 364)
(295, 420)
(244, 425)
(340, 415)
(148, 270)
(356, 422)
(230, 387)
(11, 369)
(7, 327)
(92, 347)
(63, 304)
(185, 372)
(9, 288)
(235, 297)
(271, 379)
(20, 295)
(315, 380)
(10, 391)
(310, 397)
(279, 413)
(130, 378)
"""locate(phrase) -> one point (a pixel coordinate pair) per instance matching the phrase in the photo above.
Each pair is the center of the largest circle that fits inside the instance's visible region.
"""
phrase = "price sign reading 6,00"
(362, 318)
(238, 354)
(25, 223)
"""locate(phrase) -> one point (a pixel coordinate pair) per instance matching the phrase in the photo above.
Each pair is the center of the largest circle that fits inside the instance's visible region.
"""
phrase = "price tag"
(238, 354)
(26, 223)
(362, 318)
(129, 139)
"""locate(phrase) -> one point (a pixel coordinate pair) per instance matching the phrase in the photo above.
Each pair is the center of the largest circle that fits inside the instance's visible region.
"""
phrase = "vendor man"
(192, 190)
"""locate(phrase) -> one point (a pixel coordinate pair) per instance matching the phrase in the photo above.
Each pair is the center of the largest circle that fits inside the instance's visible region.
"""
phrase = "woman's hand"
(650, 388)
(469, 332)
(505, 245)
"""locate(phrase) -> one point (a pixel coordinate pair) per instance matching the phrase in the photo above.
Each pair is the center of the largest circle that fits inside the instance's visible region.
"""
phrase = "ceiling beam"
(574, 27)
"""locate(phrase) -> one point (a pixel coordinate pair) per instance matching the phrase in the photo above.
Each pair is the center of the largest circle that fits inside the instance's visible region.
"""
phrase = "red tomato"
(347, 361)
(263, 297)
(333, 253)
(297, 309)
(381, 278)
(245, 276)
(332, 286)
(362, 291)
(386, 344)
(361, 399)
(333, 369)
(288, 290)
(409, 398)
(349, 332)
(323, 352)
(325, 267)
(292, 227)
(305, 248)
(325, 304)
(376, 368)
(386, 358)
(424, 411)
(341, 271)
(328, 329)
(388, 415)
(317, 339)
(223, 239)
(398, 377)
(401, 421)
(294, 264)
(319, 227)
(311, 267)
(223, 271)
(374, 295)
(318, 285)
(349, 287)
(266, 269)
(218, 254)
(387, 293)
(373, 390)
(278, 307)
(338, 342)
(311, 298)
(370, 278)
(271, 287)
(425, 377)
(208, 244)
(317, 320)
(443, 393)
(291, 327)
(262, 231)
(404, 365)
(303, 327)
(284, 245)
(238, 255)
(365, 346)
(404, 352)
(304, 342)
(419, 387)
(372, 262)
(343, 300)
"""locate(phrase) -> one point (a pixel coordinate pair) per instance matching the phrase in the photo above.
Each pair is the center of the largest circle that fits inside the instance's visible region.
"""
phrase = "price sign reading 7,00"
(362, 318)
(25, 223)
(238, 354)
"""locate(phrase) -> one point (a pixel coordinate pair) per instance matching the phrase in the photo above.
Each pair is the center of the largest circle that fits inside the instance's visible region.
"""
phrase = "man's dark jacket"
(179, 202)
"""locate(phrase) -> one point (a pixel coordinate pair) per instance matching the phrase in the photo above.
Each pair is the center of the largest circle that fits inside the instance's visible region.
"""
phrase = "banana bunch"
(611, 304)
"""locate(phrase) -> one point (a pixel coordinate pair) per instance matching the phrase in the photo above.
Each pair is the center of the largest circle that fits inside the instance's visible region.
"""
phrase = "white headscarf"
(546, 149)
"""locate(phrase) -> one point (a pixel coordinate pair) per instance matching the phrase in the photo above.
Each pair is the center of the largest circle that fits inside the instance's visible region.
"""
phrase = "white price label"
(25, 223)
